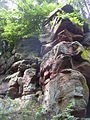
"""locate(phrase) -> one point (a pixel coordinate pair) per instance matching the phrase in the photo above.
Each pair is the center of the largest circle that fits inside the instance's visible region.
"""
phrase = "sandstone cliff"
(53, 72)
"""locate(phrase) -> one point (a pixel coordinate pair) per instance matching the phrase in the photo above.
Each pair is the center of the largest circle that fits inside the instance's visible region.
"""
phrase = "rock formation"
(58, 78)
(64, 72)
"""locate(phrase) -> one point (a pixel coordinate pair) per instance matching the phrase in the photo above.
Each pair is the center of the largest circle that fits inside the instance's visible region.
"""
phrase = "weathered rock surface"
(67, 87)
(59, 80)
(26, 80)
(63, 36)
(65, 66)
(59, 58)
(18, 87)
(29, 80)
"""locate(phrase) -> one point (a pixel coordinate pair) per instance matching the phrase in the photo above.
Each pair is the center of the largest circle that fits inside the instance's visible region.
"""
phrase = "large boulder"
(13, 87)
(30, 80)
(67, 87)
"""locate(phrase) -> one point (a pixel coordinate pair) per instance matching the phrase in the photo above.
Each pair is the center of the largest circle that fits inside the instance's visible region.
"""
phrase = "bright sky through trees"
(11, 4)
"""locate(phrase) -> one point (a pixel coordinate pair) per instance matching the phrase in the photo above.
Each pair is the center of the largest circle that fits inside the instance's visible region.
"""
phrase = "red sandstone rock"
(68, 87)
(59, 58)
(65, 35)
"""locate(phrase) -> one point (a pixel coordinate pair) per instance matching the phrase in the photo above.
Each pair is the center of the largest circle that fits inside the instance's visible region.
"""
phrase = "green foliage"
(26, 20)
(40, 112)
(66, 114)
(75, 17)
(82, 5)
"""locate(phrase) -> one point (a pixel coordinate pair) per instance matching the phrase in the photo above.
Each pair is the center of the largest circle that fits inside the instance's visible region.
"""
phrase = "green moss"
(66, 113)
(86, 54)
(74, 17)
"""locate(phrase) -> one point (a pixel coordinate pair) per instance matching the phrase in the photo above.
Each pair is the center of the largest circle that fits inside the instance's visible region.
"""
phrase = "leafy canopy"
(25, 20)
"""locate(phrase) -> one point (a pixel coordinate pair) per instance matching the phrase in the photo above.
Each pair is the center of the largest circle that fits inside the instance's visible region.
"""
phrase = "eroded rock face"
(18, 76)
(29, 80)
(63, 36)
(25, 81)
(58, 82)
(63, 85)
(59, 58)
(19, 84)
(63, 71)
(68, 86)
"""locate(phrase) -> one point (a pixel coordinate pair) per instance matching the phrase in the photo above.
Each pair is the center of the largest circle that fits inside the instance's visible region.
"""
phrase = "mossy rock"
(86, 54)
